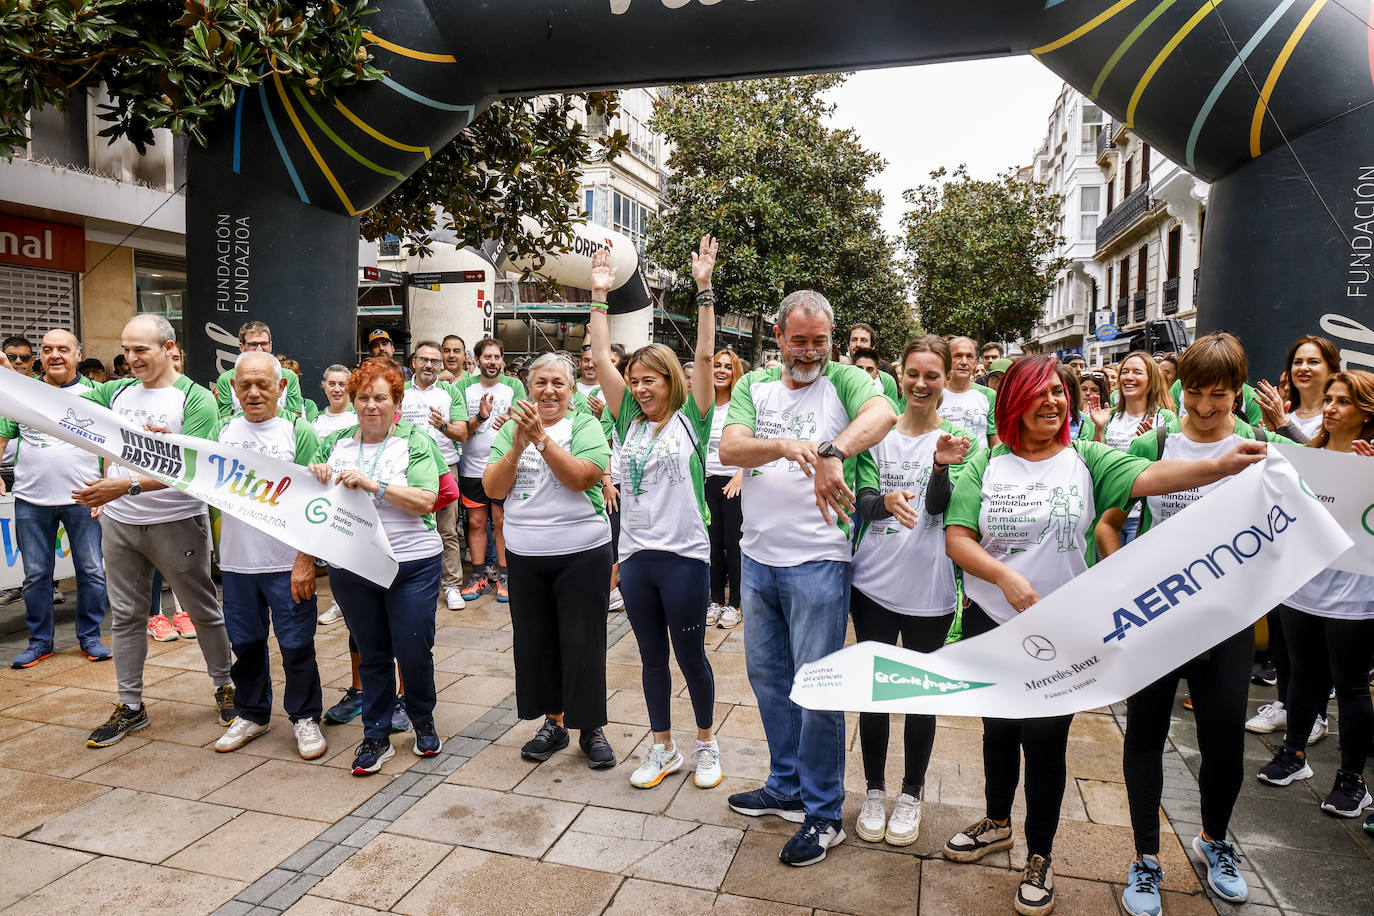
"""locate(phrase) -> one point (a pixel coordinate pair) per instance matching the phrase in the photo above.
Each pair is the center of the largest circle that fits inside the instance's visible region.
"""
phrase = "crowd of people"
(820, 489)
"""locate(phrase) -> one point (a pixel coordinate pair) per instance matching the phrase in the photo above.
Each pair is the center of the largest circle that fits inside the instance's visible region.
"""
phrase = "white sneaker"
(240, 732)
(309, 739)
(1272, 717)
(1319, 730)
(617, 602)
(729, 617)
(658, 763)
(57, 596)
(708, 773)
(333, 615)
(905, 823)
(713, 613)
(872, 822)
(453, 597)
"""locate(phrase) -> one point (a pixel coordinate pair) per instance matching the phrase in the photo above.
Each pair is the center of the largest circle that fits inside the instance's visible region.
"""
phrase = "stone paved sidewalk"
(159, 823)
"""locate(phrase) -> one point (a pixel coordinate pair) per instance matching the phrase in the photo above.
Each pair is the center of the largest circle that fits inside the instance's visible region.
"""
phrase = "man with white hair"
(146, 525)
(799, 431)
(265, 579)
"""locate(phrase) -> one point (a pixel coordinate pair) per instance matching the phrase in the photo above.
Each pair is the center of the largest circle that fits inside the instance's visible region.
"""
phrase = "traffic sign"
(1107, 332)
(387, 277)
(448, 276)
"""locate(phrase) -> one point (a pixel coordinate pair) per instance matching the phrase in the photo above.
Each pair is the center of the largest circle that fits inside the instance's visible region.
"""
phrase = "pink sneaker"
(184, 627)
(160, 628)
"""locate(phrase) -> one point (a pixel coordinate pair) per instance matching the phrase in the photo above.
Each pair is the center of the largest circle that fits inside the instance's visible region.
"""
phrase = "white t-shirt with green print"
(782, 526)
(543, 517)
(663, 481)
(972, 410)
(888, 552)
(1038, 516)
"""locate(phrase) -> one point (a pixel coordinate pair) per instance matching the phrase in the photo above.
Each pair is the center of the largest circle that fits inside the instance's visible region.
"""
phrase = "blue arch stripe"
(238, 129)
(281, 147)
(423, 100)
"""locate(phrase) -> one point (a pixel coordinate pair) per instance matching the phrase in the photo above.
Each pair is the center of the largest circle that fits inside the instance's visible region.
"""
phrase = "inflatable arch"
(1266, 99)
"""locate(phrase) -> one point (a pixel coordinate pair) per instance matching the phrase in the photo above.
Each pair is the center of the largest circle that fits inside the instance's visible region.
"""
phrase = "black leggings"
(1283, 661)
(1219, 683)
(1044, 741)
(1323, 650)
(920, 634)
(726, 519)
(665, 597)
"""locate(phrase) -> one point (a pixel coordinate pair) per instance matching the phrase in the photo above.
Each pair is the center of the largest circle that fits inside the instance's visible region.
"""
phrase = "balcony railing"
(1138, 306)
(1170, 296)
(1104, 139)
(1123, 309)
(1132, 207)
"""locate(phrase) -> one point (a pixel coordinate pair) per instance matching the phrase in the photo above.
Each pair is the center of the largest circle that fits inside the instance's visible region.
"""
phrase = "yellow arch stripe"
(378, 135)
(314, 153)
(1280, 62)
(1083, 29)
(410, 52)
(1163, 55)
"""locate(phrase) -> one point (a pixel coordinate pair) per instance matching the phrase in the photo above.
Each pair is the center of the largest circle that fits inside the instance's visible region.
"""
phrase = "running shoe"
(905, 823)
(809, 844)
(372, 753)
(872, 822)
(349, 707)
(1035, 893)
(310, 743)
(977, 840)
(1268, 676)
(57, 596)
(1319, 730)
(96, 651)
(598, 750)
(427, 742)
(160, 628)
(502, 590)
(708, 774)
(759, 802)
(1141, 896)
(331, 616)
(659, 763)
(10, 595)
(224, 700)
(713, 613)
(477, 587)
(617, 600)
(239, 733)
(181, 622)
(1272, 717)
(1349, 796)
(122, 721)
(400, 719)
(551, 737)
(729, 617)
(35, 653)
(453, 597)
(1286, 766)
(1223, 868)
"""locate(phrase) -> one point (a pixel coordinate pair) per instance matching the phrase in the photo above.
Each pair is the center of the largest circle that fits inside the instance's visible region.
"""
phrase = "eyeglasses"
(801, 351)
(426, 361)
(260, 345)
(20, 357)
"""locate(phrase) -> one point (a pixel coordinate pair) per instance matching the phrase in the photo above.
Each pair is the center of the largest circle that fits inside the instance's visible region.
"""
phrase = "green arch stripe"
(357, 156)
(1126, 43)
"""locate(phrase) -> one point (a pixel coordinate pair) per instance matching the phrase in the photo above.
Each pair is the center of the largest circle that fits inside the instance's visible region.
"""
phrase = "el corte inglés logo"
(894, 680)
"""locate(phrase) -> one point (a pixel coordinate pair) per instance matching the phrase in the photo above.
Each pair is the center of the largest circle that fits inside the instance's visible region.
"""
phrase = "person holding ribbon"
(547, 463)
(1019, 525)
(397, 463)
(665, 551)
(902, 497)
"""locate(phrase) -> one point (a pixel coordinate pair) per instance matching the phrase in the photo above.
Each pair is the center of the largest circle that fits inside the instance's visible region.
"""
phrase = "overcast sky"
(990, 114)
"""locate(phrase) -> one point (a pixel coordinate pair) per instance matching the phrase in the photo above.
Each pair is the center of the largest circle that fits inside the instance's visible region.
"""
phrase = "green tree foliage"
(980, 254)
(755, 164)
(178, 65)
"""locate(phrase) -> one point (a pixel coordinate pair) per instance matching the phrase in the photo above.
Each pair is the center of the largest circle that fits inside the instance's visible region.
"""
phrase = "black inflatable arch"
(1266, 99)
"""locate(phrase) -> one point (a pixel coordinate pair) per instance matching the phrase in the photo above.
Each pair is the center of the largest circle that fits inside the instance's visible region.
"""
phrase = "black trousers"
(727, 517)
(874, 622)
(1044, 741)
(665, 598)
(1324, 650)
(558, 623)
(1219, 683)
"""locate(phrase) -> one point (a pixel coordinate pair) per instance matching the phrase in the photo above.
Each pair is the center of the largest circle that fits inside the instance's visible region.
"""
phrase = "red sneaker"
(184, 627)
(160, 628)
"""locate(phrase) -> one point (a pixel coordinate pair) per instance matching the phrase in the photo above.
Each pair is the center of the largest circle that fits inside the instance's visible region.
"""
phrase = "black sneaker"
(1267, 676)
(121, 722)
(349, 707)
(427, 742)
(1035, 893)
(372, 753)
(551, 737)
(809, 844)
(759, 802)
(597, 748)
(1349, 796)
(1286, 766)
(224, 699)
(400, 720)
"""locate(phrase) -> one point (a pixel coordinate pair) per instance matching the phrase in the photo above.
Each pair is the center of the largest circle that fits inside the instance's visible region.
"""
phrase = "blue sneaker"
(349, 707)
(808, 845)
(400, 721)
(1141, 896)
(1223, 868)
(35, 653)
(427, 742)
(760, 801)
(96, 651)
(372, 753)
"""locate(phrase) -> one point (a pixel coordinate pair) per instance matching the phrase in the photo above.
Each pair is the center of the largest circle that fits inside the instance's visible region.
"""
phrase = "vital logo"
(1169, 592)
(80, 426)
(893, 680)
(241, 480)
(317, 510)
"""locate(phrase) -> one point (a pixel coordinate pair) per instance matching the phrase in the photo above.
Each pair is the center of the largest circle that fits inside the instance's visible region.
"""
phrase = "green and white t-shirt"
(415, 407)
(588, 391)
(183, 407)
(663, 492)
(47, 469)
(228, 404)
(1038, 516)
(543, 517)
(469, 392)
(782, 526)
(888, 553)
(713, 466)
(326, 423)
(405, 458)
(1336, 595)
(243, 548)
(971, 410)
(1254, 414)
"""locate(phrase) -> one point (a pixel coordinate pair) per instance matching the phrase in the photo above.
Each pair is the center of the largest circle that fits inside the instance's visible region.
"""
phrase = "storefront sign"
(51, 246)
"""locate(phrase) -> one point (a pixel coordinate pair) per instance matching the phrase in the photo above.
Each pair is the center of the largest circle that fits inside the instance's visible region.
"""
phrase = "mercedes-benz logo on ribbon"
(1039, 648)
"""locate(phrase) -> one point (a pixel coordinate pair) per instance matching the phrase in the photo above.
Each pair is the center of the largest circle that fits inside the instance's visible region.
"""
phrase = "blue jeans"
(249, 601)
(36, 529)
(794, 615)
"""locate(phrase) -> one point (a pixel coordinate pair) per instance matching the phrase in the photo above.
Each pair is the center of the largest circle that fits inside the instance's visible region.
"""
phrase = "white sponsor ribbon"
(1132, 618)
(1344, 484)
(277, 497)
(12, 572)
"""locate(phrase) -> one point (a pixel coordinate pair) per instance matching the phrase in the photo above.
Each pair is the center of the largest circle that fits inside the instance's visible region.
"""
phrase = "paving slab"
(174, 722)
(133, 825)
(1310, 881)
(15, 692)
(567, 777)
(494, 767)
(310, 905)
(730, 905)
(382, 872)
(172, 769)
(30, 799)
(953, 889)
(56, 750)
(484, 819)
(247, 847)
(636, 897)
(298, 789)
(488, 883)
(478, 689)
(108, 885)
(26, 867)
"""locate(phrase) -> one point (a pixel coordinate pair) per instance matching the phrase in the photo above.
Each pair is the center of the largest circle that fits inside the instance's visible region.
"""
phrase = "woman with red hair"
(1019, 526)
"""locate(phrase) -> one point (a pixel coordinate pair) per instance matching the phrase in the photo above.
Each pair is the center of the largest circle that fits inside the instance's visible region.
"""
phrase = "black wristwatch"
(828, 449)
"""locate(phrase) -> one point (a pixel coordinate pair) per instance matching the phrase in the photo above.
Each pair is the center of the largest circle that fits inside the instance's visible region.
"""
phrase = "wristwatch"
(541, 445)
(135, 487)
(828, 449)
